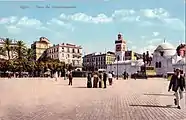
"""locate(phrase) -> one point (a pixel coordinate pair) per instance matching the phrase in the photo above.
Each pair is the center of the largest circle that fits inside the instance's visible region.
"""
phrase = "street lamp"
(117, 66)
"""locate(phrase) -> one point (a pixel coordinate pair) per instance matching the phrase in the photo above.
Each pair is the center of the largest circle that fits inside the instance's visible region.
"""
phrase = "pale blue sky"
(94, 24)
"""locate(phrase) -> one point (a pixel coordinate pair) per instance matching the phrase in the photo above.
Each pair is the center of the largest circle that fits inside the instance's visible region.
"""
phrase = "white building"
(120, 65)
(68, 53)
(165, 59)
(130, 66)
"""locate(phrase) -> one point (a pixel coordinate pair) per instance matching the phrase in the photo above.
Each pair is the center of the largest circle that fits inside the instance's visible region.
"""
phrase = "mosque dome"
(165, 46)
(165, 49)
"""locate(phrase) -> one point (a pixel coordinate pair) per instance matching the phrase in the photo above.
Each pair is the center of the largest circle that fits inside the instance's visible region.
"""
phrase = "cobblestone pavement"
(45, 99)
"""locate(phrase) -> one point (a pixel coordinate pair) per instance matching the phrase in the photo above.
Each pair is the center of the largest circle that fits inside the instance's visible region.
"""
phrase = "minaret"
(120, 47)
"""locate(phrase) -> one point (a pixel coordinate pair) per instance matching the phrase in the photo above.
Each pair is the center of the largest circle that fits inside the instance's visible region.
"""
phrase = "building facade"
(96, 61)
(40, 46)
(13, 53)
(68, 53)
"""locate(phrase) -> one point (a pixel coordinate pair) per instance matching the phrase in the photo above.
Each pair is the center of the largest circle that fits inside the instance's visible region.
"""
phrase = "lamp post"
(117, 66)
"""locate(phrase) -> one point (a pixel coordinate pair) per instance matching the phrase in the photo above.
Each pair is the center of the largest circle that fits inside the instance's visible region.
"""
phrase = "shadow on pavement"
(160, 94)
(167, 106)
(80, 87)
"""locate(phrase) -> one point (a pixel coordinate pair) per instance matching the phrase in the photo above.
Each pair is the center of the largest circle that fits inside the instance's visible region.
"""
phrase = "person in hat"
(177, 84)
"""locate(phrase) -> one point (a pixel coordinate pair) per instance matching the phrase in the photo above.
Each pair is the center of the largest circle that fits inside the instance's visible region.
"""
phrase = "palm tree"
(30, 63)
(21, 53)
(7, 46)
(2, 51)
(21, 50)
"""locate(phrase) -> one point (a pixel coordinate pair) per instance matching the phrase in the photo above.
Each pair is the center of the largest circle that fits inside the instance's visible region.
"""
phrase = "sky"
(94, 24)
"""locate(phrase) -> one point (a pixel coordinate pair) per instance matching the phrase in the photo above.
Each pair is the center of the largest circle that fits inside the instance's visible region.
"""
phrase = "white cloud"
(155, 34)
(8, 20)
(13, 29)
(123, 12)
(155, 13)
(174, 23)
(26, 22)
(61, 23)
(82, 17)
(154, 41)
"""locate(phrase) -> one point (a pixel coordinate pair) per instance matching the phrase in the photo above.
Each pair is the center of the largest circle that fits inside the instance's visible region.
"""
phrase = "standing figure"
(89, 80)
(110, 78)
(105, 79)
(124, 75)
(70, 78)
(56, 76)
(100, 80)
(177, 84)
(127, 76)
(113, 74)
(95, 80)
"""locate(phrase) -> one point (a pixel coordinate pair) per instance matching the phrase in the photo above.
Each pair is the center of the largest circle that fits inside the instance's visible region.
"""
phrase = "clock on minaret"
(120, 47)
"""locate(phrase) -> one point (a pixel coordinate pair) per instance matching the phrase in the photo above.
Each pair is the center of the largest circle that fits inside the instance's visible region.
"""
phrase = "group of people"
(99, 79)
(177, 84)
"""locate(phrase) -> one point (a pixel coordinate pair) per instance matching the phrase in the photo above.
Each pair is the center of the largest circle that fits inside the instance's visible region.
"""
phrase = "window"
(73, 50)
(159, 64)
(78, 51)
(161, 53)
(68, 50)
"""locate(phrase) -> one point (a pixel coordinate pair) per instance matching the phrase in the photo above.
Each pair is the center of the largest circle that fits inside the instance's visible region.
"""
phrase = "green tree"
(7, 47)
(21, 56)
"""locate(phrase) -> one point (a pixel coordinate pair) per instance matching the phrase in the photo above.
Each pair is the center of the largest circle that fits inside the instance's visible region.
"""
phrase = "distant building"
(98, 60)
(68, 53)
(131, 55)
(12, 52)
(128, 61)
(40, 46)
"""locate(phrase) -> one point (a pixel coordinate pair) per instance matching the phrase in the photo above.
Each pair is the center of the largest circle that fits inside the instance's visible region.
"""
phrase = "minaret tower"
(120, 47)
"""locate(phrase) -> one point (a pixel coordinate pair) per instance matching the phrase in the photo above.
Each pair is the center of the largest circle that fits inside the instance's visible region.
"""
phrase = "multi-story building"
(12, 51)
(40, 46)
(131, 55)
(68, 53)
(98, 60)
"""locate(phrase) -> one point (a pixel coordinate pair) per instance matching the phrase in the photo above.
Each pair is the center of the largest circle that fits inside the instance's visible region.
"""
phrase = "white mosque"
(121, 64)
(164, 59)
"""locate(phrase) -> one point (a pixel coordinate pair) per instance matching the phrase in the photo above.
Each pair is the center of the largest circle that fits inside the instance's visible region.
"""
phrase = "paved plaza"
(45, 99)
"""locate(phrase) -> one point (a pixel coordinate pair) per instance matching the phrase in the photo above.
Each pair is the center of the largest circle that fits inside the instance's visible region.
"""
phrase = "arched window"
(159, 65)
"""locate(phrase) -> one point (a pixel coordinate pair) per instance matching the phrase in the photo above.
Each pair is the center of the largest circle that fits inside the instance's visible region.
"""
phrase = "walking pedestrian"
(177, 84)
(110, 78)
(105, 79)
(70, 77)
